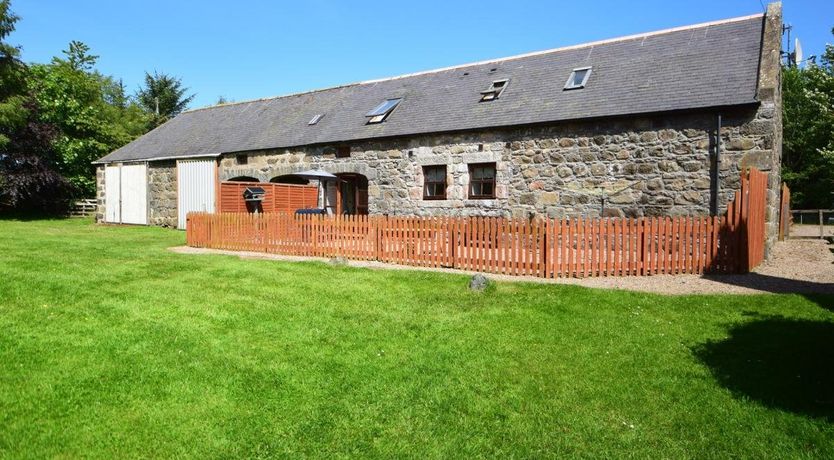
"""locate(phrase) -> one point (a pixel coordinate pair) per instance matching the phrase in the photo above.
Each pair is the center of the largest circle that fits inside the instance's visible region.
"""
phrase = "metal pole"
(717, 185)
(323, 199)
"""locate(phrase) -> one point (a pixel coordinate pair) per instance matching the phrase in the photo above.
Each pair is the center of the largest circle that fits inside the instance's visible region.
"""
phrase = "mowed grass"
(111, 346)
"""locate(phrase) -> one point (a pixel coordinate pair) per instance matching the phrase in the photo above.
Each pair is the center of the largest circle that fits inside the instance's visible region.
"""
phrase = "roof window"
(578, 78)
(316, 118)
(382, 111)
(494, 91)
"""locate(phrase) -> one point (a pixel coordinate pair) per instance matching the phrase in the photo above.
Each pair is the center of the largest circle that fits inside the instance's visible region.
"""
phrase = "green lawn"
(112, 346)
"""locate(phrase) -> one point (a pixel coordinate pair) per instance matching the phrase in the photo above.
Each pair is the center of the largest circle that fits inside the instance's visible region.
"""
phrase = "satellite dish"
(797, 53)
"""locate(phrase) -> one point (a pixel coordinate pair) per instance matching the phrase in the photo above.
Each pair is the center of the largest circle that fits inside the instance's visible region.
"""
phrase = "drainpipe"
(716, 184)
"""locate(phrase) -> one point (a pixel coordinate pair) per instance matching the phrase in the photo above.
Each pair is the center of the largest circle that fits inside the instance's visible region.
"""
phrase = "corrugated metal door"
(134, 194)
(195, 187)
(112, 194)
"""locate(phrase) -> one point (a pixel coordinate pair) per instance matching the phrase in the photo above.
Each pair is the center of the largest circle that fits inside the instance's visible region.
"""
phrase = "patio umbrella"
(320, 176)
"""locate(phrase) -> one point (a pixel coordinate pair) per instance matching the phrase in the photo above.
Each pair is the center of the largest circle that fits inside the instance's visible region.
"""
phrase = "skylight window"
(316, 118)
(382, 111)
(494, 91)
(578, 78)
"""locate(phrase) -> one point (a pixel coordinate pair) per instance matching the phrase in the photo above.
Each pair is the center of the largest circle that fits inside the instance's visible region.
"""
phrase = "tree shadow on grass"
(774, 284)
(821, 294)
(782, 363)
(29, 216)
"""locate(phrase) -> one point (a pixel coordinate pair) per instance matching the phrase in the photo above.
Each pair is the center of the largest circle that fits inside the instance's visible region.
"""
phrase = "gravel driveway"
(796, 266)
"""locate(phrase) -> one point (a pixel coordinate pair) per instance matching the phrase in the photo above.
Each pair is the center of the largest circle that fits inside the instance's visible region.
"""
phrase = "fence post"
(544, 234)
(453, 240)
(643, 246)
(378, 223)
(264, 230)
(315, 222)
(822, 229)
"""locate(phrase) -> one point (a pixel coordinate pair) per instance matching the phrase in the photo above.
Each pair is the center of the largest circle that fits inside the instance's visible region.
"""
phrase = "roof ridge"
(488, 61)
(571, 47)
(269, 98)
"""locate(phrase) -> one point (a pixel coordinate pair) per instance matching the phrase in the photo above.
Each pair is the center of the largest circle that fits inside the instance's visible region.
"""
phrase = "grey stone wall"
(100, 206)
(770, 95)
(645, 166)
(162, 193)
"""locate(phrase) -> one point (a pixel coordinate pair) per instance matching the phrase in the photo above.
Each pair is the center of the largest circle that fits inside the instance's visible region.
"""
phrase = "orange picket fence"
(577, 247)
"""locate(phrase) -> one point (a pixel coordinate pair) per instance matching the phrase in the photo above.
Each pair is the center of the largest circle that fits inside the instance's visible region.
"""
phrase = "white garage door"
(112, 194)
(134, 194)
(126, 194)
(195, 187)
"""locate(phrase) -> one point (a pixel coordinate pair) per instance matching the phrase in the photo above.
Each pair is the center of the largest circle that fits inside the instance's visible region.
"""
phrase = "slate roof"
(707, 65)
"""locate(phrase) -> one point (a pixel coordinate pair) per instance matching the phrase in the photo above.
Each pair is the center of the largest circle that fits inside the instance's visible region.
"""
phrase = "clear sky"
(252, 49)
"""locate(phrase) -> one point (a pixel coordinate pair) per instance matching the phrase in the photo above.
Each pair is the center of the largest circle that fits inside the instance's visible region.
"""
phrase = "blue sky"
(253, 49)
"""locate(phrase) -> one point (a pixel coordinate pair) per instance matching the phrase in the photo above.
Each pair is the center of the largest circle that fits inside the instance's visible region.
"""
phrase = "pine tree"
(164, 96)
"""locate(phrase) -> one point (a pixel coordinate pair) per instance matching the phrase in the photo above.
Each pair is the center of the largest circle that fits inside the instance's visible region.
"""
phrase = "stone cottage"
(660, 123)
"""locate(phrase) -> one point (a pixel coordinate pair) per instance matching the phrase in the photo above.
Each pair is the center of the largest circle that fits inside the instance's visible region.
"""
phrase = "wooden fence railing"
(85, 207)
(540, 247)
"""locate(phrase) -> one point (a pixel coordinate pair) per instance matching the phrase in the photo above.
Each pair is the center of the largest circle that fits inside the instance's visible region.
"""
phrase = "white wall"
(196, 192)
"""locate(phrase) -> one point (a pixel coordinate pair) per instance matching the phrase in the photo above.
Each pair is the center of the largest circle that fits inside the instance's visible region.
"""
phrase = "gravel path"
(796, 266)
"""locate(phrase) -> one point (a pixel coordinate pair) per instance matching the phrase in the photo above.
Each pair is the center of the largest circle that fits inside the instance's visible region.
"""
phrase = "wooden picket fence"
(578, 247)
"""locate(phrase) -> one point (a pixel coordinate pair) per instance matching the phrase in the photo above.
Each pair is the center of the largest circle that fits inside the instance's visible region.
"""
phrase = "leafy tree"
(55, 119)
(164, 96)
(28, 172)
(808, 131)
(12, 78)
(79, 57)
(72, 100)
(28, 168)
(92, 112)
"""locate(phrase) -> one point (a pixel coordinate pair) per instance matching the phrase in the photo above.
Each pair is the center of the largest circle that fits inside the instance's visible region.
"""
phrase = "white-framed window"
(578, 78)
(316, 118)
(381, 112)
(495, 89)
